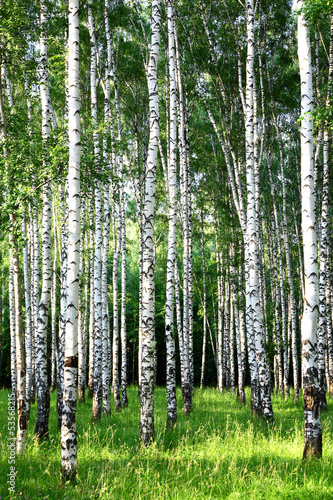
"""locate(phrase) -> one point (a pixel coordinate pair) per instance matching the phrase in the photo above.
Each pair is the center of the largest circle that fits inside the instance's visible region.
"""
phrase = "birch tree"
(97, 384)
(18, 334)
(68, 428)
(147, 325)
(312, 425)
(43, 395)
(172, 179)
(252, 286)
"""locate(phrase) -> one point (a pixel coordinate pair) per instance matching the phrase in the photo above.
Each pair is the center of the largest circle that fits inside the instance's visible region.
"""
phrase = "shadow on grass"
(220, 451)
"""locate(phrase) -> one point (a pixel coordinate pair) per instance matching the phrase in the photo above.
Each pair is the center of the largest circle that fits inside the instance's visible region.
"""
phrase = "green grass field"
(220, 451)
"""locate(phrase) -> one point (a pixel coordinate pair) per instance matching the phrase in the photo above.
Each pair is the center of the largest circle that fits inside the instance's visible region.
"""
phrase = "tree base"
(68, 475)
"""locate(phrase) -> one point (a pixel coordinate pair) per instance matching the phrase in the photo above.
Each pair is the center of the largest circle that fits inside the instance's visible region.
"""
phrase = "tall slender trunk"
(204, 340)
(97, 383)
(68, 428)
(18, 340)
(172, 251)
(83, 295)
(186, 387)
(53, 307)
(252, 285)
(22, 422)
(115, 340)
(28, 319)
(226, 333)
(123, 332)
(147, 325)
(312, 426)
(324, 326)
(91, 298)
(63, 195)
(43, 396)
(13, 372)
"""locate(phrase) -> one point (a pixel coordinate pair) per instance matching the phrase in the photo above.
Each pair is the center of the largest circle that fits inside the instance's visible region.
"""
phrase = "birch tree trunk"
(68, 428)
(115, 340)
(43, 396)
(328, 309)
(324, 332)
(252, 285)
(123, 333)
(172, 250)
(82, 326)
(312, 426)
(28, 319)
(97, 383)
(204, 300)
(18, 339)
(91, 298)
(147, 325)
(63, 196)
(106, 341)
(186, 387)
(22, 422)
(34, 293)
(53, 307)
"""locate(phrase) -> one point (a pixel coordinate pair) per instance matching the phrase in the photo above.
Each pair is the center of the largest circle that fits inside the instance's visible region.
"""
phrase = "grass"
(220, 451)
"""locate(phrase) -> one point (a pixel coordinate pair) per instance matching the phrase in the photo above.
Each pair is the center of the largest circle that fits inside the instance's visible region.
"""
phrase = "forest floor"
(220, 451)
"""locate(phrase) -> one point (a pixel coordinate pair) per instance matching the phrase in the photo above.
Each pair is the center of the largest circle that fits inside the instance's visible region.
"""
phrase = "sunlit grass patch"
(220, 451)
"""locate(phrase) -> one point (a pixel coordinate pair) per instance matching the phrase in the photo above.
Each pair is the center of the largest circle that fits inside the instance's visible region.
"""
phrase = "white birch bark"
(91, 298)
(13, 372)
(83, 296)
(179, 323)
(328, 276)
(34, 293)
(115, 330)
(53, 306)
(289, 276)
(119, 245)
(323, 252)
(329, 330)
(226, 334)
(63, 196)
(106, 341)
(220, 310)
(97, 383)
(68, 428)
(123, 332)
(323, 332)
(204, 304)
(105, 308)
(172, 250)
(21, 435)
(147, 325)
(312, 426)
(239, 326)
(18, 340)
(28, 318)
(187, 386)
(231, 345)
(190, 245)
(43, 396)
(252, 285)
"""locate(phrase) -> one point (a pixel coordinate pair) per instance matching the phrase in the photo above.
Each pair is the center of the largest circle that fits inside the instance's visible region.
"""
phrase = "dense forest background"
(211, 189)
